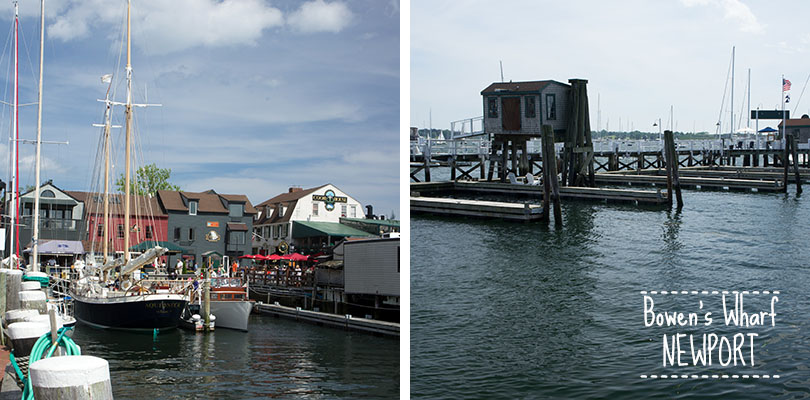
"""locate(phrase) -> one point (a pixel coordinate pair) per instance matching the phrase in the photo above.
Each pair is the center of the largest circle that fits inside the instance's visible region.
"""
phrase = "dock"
(695, 181)
(347, 321)
(419, 189)
(477, 208)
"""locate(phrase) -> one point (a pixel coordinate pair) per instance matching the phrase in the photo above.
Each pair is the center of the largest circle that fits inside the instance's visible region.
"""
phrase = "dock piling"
(551, 166)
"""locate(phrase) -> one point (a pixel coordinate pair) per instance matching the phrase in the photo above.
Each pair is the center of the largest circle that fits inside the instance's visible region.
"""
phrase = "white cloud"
(733, 10)
(319, 16)
(172, 26)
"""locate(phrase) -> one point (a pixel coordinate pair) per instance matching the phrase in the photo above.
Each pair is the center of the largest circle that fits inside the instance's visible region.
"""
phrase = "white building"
(306, 219)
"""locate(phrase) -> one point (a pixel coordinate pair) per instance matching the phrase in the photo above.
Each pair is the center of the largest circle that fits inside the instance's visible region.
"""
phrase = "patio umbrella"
(248, 256)
(298, 257)
(274, 257)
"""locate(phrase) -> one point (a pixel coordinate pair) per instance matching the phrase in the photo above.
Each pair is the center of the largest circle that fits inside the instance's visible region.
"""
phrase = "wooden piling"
(673, 181)
(786, 140)
(551, 165)
(794, 144)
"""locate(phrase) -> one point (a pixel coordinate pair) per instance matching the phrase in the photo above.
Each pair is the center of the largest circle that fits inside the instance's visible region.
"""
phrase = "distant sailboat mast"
(14, 231)
(128, 129)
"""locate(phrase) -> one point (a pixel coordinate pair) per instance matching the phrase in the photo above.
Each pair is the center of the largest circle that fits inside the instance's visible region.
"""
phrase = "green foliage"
(148, 180)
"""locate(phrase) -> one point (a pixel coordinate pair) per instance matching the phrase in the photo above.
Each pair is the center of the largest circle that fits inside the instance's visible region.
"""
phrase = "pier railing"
(282, 278)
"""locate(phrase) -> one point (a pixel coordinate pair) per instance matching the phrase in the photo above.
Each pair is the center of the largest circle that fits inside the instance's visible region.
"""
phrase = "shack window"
(176, 234)
(190, 233)
(148, 231)
(236, 210)
(492, 107)
(100, 232)
(120, 231)
(315, 209)
(192, 208)
(531, 107)
(551, 106)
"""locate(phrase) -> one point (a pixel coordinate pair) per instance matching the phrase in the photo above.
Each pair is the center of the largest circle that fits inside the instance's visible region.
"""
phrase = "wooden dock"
(477, 208)
(751, 173)
(760, 185)
(419, 189)
(347, 322)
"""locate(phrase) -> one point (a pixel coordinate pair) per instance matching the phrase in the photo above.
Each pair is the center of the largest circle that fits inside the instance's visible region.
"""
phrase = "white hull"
(232, 314)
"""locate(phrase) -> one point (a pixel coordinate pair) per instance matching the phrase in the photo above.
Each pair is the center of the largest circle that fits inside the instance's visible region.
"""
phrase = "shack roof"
(519, 87)
(804, 121)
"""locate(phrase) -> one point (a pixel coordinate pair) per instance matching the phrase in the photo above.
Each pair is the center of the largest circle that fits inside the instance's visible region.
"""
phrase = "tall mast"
(35, 247)
(733, 50)
(128, 130)
(107, 113)
(15, 186)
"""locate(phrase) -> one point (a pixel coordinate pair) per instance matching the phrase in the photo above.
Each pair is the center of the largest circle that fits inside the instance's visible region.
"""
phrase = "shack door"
(511, 113)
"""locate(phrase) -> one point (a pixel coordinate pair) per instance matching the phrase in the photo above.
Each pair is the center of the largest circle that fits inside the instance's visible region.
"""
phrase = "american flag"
(785, 85)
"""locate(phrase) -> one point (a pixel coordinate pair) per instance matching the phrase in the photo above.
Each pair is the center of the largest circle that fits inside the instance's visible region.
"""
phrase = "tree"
(148, 180)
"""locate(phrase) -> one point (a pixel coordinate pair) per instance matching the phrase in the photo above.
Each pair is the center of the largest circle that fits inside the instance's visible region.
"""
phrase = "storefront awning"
(304, 229)
(56, 247)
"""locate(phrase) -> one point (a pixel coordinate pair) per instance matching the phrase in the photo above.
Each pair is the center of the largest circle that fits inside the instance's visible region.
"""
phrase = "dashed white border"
(710, 292)
(714, 376)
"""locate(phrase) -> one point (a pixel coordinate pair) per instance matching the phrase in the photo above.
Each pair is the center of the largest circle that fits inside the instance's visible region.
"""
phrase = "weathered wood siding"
(561, 93)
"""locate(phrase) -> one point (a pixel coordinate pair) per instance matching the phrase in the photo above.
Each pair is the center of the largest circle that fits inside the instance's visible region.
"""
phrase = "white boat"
(230, 303)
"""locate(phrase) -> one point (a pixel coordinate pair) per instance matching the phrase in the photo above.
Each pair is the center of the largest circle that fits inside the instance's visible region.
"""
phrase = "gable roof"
(207, 202)
(289, 196)
(519, 87)
(141, 205)
(797, 122)
(50, 183)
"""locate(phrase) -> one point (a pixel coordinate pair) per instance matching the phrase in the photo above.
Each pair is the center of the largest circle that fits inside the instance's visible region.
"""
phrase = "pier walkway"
(337, 321)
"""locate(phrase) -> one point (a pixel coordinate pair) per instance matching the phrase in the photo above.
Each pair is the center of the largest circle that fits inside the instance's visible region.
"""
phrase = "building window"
(531, 107)
(100, 230)
(353, 210)
(236, 210)
(190, 234)
(120, 231)
(192, 208)
(343, 210)
(492, 107)
(237, 238)
(148, 231)
(551, 106)
(284, 230)
(281, 210)
(176, 234)
(315, 209)
(47, 193)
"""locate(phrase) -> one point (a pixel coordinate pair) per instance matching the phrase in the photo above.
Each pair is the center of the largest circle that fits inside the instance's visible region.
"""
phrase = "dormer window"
(192, 207)
(281, 210)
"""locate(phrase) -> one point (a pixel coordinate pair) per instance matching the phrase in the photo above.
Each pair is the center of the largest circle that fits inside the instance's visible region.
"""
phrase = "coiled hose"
(44, 348)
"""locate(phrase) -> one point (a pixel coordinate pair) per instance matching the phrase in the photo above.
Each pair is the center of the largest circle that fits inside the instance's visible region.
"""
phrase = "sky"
(256, 96)
(641, 58)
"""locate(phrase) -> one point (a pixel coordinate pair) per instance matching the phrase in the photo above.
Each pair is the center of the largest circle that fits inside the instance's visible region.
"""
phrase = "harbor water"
(511, 310)
(275, 358)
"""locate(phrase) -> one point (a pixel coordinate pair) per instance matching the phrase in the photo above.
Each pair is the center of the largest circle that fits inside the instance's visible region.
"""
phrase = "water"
(510, 310)
(276, 358)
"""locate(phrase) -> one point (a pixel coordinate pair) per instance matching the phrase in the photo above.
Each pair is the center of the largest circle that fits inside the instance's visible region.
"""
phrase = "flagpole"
(784, 126)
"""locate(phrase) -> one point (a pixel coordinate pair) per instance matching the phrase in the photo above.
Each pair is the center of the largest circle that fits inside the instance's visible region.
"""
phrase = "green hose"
(39, 351)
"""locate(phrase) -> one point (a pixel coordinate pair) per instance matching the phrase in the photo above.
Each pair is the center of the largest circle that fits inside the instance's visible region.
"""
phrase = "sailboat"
(127, 302)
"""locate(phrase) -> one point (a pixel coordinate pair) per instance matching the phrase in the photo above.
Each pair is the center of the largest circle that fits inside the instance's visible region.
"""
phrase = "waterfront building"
(61, 221)
(147, 219)
(305, 220)
(372, 226)
(798, 127)
(207, 226)
(522, 108)
(371, 275)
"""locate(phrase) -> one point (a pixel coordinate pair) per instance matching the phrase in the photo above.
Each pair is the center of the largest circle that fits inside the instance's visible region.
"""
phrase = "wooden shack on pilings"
(515, 112)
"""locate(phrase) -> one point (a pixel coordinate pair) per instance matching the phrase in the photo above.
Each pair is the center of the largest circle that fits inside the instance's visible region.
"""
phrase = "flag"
(787, 99)
(785, 85)
(106, 78)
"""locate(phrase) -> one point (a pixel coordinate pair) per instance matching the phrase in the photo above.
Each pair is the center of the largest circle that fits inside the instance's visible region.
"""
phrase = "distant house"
(61, 216)
(307, 219)
(798, 127)
(147, 221)
(208, 225)
(522, 108)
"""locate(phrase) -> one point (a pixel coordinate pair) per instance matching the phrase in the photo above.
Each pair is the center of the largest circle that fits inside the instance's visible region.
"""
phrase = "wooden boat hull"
(139, 313)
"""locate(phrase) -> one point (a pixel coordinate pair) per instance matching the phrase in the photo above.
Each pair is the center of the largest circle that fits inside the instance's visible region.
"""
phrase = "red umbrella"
(274, 257)
(298, 257)
(252, 257)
